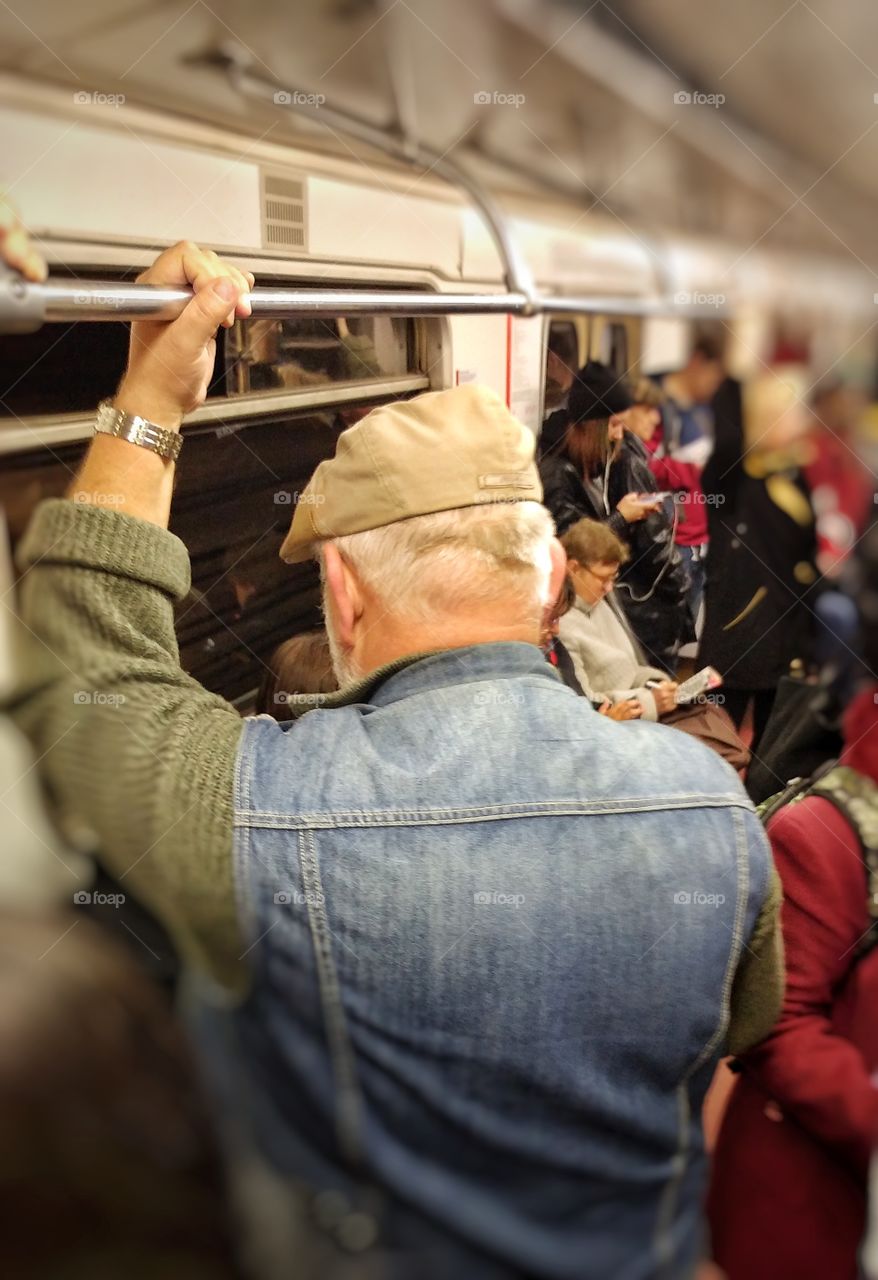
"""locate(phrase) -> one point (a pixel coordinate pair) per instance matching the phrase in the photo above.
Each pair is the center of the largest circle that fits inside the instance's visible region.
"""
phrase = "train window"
(60, 368)
(562, 362)
(307, 352)
(68, 368)
(233, 501)
(614, 347)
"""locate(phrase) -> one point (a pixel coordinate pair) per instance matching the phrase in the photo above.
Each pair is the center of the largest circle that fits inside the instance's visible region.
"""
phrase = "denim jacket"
(494, 936)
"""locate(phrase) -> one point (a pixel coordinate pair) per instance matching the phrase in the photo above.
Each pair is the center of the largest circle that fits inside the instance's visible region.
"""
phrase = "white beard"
(346, 670)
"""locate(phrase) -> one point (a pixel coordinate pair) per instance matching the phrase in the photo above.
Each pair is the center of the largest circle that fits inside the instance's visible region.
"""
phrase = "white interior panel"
(377, 225)
(77, 176)
(478, 346)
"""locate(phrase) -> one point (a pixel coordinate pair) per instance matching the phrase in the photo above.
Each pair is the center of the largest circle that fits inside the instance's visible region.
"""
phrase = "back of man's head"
(430, 530)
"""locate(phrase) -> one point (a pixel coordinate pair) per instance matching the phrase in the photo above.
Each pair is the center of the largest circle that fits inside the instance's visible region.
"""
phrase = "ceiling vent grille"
(284, 212)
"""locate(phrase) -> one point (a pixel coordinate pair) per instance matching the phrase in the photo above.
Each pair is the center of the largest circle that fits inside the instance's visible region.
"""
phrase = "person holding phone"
(608, 661)
(604, 653)
(593, 467)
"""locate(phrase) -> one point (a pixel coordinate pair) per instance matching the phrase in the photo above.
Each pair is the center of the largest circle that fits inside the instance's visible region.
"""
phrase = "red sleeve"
(818, 1077)
(671, 474)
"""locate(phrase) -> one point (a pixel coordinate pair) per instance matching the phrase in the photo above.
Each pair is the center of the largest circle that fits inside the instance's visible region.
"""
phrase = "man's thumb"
(208, 309)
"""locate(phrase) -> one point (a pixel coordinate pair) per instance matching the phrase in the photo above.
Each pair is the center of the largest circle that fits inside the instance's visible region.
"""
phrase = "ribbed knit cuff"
(647, 701)
(62, 532)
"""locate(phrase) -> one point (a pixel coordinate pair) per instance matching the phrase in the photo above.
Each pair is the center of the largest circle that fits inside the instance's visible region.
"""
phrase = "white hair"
(455, 563)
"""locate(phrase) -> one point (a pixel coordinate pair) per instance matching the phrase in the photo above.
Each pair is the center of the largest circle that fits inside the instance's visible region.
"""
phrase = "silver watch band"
(129, 426)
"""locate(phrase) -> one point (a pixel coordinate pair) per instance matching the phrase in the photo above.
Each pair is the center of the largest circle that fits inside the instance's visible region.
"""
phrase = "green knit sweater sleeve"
(131, 745)
(757, 994)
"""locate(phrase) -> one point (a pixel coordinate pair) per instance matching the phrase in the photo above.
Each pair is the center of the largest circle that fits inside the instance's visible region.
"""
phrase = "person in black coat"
(762, 582)
(591, 466)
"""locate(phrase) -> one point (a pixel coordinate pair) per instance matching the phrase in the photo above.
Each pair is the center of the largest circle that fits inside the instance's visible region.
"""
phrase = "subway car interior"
(439, 720)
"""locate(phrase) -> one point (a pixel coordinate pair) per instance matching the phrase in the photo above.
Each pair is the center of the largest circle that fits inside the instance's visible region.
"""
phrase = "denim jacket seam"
(668, 1203)
(242, 851)
(482, 813)
(349, 1106)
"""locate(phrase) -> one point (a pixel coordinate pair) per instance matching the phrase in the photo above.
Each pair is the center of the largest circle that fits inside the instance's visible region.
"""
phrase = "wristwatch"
(129, 426)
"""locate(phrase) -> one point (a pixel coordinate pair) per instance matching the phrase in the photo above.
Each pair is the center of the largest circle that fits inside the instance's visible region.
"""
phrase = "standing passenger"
(495, 944)
(790, 1181)
(761, 578)
(593, 466)
(681, 447)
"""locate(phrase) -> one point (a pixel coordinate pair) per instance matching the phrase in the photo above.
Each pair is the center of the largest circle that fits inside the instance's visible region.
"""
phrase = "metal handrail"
(24, 307)
(69, 300)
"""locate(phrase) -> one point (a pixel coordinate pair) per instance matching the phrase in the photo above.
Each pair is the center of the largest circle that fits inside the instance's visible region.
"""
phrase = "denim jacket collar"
(436, 668)
(496, 660)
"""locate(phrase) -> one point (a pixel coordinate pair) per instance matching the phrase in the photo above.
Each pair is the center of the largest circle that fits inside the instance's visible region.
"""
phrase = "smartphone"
(703, 680)
(649, 499)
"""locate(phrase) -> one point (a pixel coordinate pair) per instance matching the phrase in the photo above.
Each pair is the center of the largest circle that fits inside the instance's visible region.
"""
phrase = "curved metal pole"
(516, 271)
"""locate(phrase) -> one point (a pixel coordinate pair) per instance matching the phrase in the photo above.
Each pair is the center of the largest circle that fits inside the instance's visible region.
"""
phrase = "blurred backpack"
(856, 798)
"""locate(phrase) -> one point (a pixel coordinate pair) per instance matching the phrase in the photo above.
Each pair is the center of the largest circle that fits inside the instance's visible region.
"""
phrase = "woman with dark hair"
(592, 467)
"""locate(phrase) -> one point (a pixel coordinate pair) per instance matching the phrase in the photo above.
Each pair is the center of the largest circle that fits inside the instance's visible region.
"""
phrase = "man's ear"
(344, 594)
(559, 569)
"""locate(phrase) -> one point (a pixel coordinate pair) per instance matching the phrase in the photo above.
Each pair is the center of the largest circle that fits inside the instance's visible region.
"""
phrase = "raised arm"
(131, 745)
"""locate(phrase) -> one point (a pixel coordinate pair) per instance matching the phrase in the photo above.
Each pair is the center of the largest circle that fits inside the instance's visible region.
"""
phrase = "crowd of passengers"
(476, 909)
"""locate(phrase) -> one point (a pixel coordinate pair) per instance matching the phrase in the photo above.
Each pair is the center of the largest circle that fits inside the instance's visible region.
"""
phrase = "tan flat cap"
(446, 449)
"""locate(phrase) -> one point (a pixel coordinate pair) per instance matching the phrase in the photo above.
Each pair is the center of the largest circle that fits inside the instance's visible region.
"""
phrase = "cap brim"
(299, 544)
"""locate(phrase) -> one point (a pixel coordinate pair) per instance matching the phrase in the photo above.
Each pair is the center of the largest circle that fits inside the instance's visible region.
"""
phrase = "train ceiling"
(755, 121)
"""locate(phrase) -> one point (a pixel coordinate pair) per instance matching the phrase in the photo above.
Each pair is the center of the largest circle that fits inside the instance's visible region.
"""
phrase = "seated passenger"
(493, 945)
(593, 467)
(606, 657)
(604, 652)
(299, 671)
(558, 656)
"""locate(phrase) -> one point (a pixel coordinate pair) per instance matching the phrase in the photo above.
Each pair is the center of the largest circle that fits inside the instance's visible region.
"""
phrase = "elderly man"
(495, 943)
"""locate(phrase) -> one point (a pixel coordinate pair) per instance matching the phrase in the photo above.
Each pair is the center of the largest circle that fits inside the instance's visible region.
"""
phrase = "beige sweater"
(606, 657)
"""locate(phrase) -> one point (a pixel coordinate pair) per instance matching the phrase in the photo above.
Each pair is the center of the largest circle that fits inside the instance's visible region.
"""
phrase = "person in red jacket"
(673, 473)
(788, 1196)
(680, 444)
